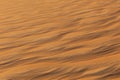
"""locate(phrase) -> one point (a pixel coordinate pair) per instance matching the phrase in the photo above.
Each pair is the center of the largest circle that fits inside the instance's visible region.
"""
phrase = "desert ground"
(59, 39)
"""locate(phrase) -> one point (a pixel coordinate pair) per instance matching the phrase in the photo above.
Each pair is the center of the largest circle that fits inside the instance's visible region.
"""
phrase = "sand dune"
(59, 39)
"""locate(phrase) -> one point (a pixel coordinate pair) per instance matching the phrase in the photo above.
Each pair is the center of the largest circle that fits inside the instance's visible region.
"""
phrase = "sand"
(59, 39)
